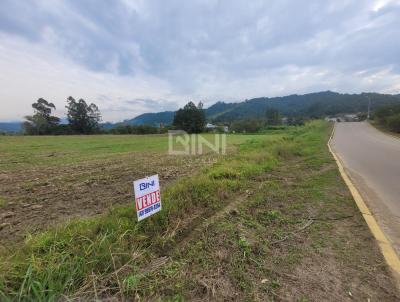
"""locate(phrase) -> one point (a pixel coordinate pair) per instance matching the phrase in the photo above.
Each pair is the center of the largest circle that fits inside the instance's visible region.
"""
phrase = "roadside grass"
(236, 230)
(384, 129)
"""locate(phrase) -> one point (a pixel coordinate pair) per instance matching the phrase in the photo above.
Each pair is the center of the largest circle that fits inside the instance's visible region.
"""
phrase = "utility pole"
(369, 107)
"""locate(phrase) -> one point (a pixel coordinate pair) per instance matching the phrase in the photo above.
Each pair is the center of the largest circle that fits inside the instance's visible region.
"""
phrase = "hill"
(164, 117)
(311, 105)
(10, 127)
(15, 127)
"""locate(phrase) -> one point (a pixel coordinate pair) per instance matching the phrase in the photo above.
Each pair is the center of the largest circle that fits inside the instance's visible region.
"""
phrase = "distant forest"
(313, 105)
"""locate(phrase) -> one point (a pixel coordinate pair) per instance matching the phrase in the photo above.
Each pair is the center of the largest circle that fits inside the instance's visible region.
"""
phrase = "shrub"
(393, 122)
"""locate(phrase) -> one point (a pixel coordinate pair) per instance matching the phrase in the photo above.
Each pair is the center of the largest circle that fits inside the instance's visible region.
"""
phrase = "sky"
(132, 57)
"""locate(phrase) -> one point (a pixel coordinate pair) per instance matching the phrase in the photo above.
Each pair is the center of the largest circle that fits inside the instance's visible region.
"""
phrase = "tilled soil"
(39, 197)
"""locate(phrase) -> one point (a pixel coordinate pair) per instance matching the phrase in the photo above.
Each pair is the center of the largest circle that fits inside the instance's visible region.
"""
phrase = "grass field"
(271, 221)
(24, 152)
(51, 179)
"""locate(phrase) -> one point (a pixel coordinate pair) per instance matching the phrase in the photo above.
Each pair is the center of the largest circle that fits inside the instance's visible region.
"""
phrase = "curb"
(386, 248)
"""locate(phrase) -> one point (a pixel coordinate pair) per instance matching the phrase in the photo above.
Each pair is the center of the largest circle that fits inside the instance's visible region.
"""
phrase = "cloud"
(32, 72)
(151, 55)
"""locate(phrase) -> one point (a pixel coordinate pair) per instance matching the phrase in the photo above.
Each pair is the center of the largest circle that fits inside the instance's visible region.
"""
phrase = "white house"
(210, 126)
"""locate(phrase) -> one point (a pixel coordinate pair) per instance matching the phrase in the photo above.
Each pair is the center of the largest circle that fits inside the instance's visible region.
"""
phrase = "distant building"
(343, 118)
(350, 118)
(331, 119)
(210, 126)
(217, 128)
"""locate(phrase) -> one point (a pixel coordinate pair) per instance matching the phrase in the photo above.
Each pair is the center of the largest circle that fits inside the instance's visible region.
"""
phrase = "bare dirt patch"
(39, 197)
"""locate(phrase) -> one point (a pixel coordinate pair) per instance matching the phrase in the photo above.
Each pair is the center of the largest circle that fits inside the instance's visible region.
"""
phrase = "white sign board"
(147, 196)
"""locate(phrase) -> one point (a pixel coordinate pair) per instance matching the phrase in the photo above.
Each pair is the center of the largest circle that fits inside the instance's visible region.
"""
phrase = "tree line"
(137, 129)
(82, 118)
(273, 119)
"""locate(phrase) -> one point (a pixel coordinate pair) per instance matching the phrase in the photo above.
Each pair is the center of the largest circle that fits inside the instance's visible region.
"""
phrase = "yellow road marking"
(387, 250)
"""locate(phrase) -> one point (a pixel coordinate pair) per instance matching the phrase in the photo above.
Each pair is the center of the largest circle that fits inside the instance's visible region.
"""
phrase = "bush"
(131, 129)
(393, 123)
(247, 125)
(382, 114)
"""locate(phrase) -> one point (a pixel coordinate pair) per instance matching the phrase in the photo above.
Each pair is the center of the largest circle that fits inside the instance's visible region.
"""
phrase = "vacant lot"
(272, 221)
(45, 180)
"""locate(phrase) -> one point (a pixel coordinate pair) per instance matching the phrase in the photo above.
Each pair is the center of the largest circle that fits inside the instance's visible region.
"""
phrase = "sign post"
(147, 196)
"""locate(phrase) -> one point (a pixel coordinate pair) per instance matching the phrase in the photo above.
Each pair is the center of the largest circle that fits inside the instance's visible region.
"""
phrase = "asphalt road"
(372, 160)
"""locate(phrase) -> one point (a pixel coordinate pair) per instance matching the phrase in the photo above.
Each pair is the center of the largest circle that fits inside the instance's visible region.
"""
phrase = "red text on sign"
(147, 200)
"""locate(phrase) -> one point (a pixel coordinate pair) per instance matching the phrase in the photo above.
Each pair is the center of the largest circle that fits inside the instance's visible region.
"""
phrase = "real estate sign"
(147, 196)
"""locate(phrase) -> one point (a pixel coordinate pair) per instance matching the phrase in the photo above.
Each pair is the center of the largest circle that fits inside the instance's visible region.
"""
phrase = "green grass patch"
(3, 201)
(22, 152)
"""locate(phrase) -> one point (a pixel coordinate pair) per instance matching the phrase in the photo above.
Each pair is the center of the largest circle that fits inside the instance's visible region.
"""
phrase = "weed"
(3, 202)
(130, 282)
(244, 246)
(273, 215)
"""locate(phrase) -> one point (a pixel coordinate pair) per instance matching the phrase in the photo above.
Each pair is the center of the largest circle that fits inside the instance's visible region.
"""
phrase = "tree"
(41, 122)
(190, 118)
(83, 118)
(273, 117)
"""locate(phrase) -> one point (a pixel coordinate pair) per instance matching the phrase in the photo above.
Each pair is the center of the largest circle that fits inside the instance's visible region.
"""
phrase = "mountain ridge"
(311, 105)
